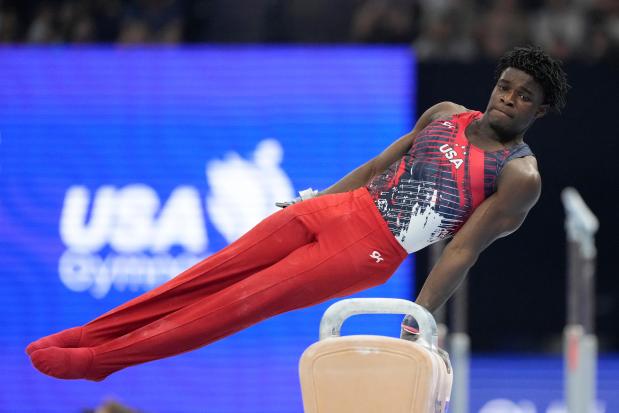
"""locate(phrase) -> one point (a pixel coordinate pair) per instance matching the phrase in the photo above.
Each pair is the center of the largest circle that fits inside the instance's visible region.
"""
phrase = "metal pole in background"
(457, 341)
(440, 315)
(580, 342)
(460, 349)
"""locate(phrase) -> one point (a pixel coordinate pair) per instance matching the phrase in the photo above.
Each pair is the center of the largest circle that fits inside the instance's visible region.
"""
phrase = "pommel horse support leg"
(369, 374)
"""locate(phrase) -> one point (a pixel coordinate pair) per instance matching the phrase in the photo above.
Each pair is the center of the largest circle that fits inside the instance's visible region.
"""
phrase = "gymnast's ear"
(542, 110)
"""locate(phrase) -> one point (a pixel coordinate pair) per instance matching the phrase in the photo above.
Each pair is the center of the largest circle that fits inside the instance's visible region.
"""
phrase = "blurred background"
(439, 30)
(157, 105)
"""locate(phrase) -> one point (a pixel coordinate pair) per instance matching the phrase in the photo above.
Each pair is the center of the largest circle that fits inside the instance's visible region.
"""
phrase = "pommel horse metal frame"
(336, 314)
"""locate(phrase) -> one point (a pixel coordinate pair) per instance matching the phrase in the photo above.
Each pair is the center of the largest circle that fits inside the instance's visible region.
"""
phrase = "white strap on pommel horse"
(371, 374)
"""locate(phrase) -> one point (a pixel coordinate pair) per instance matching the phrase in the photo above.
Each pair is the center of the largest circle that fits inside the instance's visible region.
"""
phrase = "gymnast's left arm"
(518, 190)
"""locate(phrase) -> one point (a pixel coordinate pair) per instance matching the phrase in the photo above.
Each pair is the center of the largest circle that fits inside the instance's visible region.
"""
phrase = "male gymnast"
(458, 174)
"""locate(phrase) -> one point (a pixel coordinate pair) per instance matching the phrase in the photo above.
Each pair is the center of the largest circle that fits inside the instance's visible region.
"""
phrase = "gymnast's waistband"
(364, 195)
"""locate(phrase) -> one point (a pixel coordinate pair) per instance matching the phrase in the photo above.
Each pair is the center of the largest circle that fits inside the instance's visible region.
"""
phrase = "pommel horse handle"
(337, 313)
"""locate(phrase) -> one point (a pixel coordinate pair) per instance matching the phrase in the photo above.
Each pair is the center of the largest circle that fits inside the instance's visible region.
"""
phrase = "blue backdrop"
(121, 167)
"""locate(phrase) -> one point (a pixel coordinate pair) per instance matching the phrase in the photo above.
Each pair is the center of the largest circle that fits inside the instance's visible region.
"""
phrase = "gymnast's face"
(516, 101)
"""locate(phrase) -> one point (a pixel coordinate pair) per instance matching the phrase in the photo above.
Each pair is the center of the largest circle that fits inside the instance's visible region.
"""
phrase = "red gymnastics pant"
(325, 247)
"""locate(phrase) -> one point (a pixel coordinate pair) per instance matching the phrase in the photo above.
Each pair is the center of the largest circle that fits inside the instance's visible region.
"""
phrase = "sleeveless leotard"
(432, 190)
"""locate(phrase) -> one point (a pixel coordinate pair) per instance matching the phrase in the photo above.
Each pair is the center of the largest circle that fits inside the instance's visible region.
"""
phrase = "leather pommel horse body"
(375, 374)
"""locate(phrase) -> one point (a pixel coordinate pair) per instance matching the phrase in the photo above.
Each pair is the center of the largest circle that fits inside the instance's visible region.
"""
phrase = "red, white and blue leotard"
(433, 189)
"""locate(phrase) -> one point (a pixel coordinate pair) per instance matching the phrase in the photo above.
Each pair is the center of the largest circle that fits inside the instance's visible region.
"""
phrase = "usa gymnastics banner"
(122, 167)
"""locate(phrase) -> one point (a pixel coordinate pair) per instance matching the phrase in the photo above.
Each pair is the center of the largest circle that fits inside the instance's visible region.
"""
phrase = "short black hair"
(546, 70)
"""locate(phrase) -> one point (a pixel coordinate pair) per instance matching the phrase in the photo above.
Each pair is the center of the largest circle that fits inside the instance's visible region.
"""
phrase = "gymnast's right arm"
(363, 174)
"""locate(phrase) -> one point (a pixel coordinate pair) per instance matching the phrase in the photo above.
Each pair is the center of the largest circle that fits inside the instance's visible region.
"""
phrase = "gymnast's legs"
(326, 247)
(282, 232)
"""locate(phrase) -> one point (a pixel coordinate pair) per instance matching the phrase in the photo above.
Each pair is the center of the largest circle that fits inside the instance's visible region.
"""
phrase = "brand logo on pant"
(376, 256)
